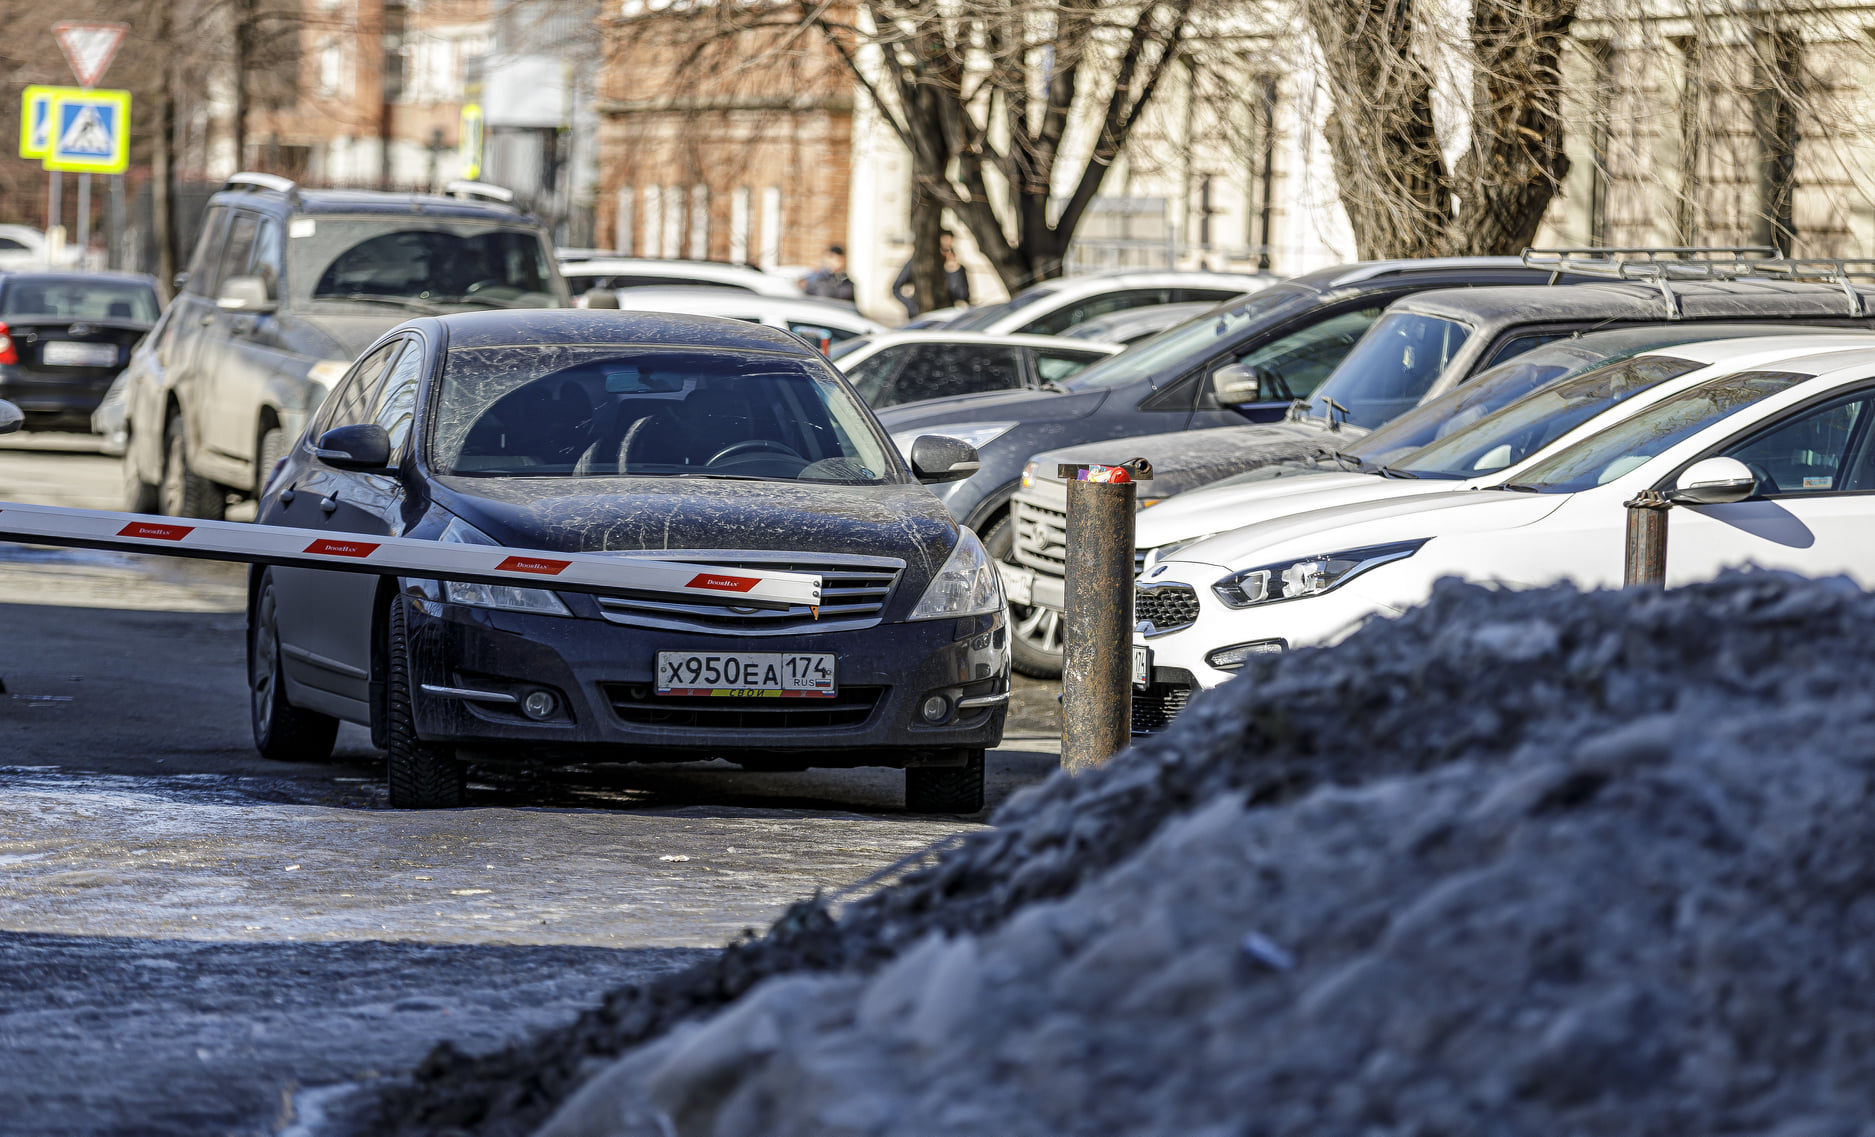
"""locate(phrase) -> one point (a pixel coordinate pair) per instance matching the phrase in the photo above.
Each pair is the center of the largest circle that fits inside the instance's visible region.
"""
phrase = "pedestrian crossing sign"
(88, 132)
(36, 118)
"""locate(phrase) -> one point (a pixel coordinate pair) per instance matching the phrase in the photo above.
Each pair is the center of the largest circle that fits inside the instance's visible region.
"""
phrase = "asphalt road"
(190, 936)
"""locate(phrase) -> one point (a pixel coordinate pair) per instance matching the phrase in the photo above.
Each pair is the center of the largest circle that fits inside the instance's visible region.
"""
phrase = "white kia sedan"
(1773, 461)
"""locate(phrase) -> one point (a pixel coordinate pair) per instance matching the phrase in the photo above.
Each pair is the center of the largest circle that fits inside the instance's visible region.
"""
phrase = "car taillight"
(8, 353)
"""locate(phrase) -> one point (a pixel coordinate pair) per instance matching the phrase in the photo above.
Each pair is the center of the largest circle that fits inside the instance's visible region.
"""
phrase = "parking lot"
(190, 931)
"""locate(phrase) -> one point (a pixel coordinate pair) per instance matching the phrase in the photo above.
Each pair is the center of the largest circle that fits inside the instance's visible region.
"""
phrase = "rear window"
(79, 299)
(606, 411)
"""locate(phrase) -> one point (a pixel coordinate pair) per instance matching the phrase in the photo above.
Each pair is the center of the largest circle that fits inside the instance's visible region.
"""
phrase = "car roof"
(715, 300)
(302, 200)
(80, 274)
(1013, 339)
(626, 264)
(553, 326)
(1358, 272)
(1616, 300)
(1646, 337)
(1108, 280)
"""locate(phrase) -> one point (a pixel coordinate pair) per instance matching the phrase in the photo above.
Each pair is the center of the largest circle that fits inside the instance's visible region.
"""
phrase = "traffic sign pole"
(84, 217)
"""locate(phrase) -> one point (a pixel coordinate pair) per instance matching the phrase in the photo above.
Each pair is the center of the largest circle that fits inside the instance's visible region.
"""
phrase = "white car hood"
(1215, 509)
(1359, 524)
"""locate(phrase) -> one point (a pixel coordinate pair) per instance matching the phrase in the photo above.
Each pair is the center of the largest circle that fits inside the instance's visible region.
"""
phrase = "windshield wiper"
(1518, 487)
(1390, 472)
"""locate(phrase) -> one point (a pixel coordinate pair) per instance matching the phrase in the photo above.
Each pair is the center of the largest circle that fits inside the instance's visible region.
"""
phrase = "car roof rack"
(1661, 266)
(482, 190)
(254, 179)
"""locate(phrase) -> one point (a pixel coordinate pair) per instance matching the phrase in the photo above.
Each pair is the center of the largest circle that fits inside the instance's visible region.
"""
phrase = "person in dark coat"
(830, 281)
(955, 279)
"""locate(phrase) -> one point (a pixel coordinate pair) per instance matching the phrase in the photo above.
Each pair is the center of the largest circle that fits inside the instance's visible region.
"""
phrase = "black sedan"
(698, 440)
(64, 336)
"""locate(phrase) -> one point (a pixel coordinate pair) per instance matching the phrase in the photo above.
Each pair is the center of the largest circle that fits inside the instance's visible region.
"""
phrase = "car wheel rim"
(172, 482)
(265, 667)
(1039, 627)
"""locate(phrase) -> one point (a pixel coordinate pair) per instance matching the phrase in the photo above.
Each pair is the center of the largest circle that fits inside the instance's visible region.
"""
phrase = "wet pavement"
(191, 936)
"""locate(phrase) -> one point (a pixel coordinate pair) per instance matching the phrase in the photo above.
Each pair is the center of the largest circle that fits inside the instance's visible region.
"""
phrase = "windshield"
(1491, 391)
(1533, 422)
(73, 299)
(1625, 446)
(1194, 340)
(1391, 369)
(425, 263)
(605, 410)
(977, 319)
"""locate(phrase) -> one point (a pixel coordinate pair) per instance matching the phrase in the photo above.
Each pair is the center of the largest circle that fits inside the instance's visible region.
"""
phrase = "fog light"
(937, 708)
(1234, 657)
(539, 705)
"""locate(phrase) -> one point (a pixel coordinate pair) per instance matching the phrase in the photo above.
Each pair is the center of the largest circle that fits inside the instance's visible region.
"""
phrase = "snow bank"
(1542, 862)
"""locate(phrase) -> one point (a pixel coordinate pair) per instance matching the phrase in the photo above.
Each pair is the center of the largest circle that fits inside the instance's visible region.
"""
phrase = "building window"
(622, 224)
(700, 223)
(739, 226)
(673, 221)
(771, 227)
(332, 68)
(654, 219)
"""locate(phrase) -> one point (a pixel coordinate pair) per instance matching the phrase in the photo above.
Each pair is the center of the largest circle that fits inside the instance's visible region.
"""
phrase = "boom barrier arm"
(603, 573)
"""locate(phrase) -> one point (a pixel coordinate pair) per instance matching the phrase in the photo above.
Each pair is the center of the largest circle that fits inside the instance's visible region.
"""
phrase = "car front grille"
(640, 706)
(1042, 540)
(1169, 606)
(1156, 706)
(853, 593)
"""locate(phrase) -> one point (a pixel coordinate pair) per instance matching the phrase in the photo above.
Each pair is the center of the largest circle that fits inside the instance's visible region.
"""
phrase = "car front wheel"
(282, 731)
(421, 775)
(185, 493)
(1035, 632)
(946, 789)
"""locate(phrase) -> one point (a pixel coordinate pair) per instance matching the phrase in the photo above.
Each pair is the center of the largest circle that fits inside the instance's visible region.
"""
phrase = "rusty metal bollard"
(1097, 678)
(1645, 562)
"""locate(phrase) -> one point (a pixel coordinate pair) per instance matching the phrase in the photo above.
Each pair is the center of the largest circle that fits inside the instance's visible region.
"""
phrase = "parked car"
(1191, 464)
(615, 273)
(1295, 332)
(904, 367)
(64, 336)
(1135, 324)
(818, 322)
(1424, 346)
(21, 247)
(284, 289)
(1770, 464)
(685, 438)
(1053, 306)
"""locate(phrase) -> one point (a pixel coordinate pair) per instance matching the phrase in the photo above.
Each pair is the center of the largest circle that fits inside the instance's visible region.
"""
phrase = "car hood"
(589, 515)
(1354, 525)
(1186, 459)
(325, 335)
(1217, 509)
(992, 406)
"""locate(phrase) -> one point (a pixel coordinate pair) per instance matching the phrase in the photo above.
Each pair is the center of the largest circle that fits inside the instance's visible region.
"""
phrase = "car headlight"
(325, 375)
(505, 596)
(976, 434)
(967, 585)
(1310, 576)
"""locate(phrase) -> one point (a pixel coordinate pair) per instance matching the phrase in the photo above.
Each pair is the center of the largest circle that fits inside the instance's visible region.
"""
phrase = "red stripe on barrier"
(539, 565)
(722, 583)
(156, 532)
(341, 548)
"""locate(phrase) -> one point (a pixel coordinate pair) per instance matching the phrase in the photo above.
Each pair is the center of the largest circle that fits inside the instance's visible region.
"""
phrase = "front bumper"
(602, 677)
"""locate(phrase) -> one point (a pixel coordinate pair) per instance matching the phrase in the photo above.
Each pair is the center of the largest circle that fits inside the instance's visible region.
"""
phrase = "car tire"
(273, 447)
(139, 495)
(184, 493)
(1034, 633)
(946, 789)
(421, 775)
(282, 731)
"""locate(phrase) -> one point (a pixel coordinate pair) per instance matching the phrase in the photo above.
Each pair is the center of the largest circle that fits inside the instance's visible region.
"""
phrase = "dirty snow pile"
(1543, 862)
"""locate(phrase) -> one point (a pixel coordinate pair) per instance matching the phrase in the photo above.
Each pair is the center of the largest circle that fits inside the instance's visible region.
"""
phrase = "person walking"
(830, 281)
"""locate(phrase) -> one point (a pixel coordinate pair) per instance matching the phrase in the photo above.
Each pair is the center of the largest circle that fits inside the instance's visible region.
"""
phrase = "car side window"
(1053, 365)
(869, 376)
(239, 248)
(939, 370)
(1300, 360)
(1517, 345)
(269, 259)
(396, 402)
(207, 250)
(1187, 295)
(351, 402)
(1063, 318)
(1810, 454)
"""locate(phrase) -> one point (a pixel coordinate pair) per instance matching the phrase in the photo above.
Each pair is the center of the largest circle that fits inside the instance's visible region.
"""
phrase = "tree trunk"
(1391, 176)
(927, 260)
(244, 19)
(1515, 164)
(162, 167)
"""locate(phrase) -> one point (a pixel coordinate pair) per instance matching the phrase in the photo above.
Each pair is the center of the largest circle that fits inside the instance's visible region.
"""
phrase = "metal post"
(1645, 562)
(1097, 680)
(55, 197)
(84, 218)
(116, 222)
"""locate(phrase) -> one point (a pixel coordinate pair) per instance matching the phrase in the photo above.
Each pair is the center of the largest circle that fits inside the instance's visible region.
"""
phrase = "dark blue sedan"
(704, 441)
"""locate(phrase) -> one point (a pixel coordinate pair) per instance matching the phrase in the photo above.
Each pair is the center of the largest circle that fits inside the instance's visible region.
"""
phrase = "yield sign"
(89, 47)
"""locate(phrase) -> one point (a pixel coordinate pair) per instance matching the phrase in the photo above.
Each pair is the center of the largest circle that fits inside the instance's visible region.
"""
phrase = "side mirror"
(364, 446)
(1713, 481)
(10, 417)
(179, 281)
(1239, 383)
(245, 294)
(940, 458)
(600, 298)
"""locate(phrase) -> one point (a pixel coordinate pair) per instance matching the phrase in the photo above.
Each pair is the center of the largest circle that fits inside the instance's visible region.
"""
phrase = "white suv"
(1054, 306)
